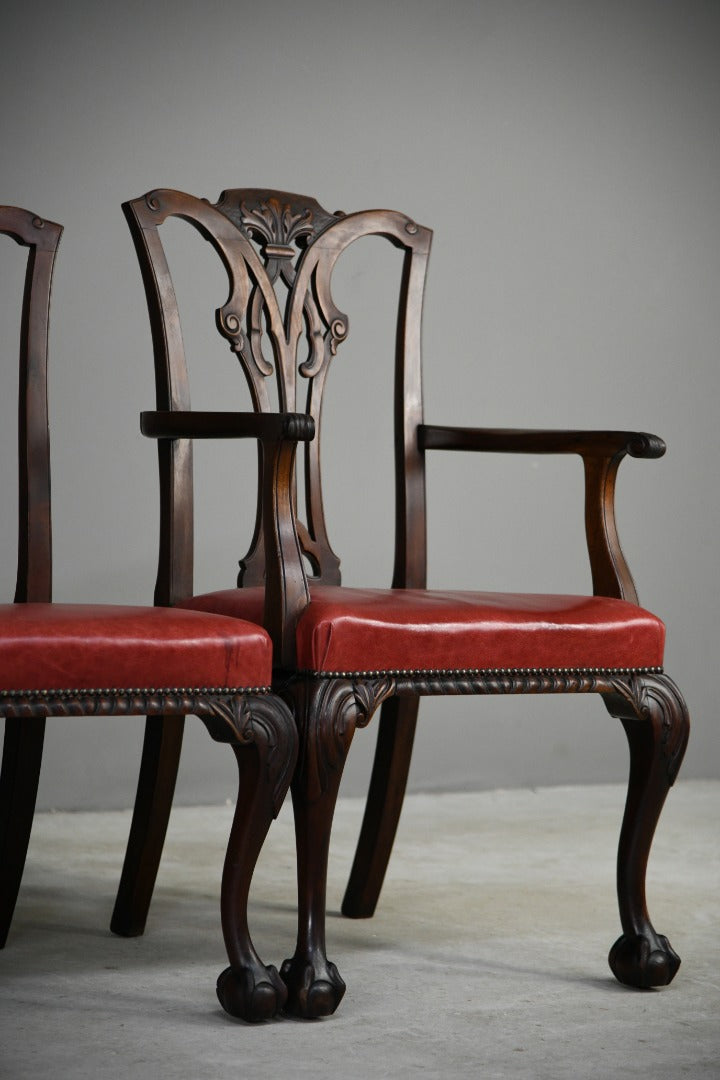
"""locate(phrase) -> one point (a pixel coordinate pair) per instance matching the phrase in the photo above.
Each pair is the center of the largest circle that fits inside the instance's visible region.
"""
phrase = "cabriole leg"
(266, 752)
(656, 722)
(327, 711)
(326, 720)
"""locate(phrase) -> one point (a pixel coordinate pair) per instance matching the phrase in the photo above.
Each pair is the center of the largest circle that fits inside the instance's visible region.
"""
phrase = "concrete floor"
(487, 957)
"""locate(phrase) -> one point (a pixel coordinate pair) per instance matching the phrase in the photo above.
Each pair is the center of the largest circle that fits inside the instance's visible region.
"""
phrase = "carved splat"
(279, 250)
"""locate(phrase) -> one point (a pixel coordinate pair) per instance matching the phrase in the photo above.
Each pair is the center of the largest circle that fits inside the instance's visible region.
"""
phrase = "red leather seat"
(366, 630)
(85, 647)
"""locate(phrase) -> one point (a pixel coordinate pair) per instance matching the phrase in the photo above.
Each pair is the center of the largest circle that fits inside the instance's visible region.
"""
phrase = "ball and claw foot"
(635, 961)
(251, 995)
(311, 993)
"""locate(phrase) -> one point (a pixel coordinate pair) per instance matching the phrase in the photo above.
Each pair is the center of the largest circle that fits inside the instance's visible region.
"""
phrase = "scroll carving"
(284, 226)
(279, 250)
(265, 722)
(328, 711)
(241, 718)
(655, 698)
(345, 702)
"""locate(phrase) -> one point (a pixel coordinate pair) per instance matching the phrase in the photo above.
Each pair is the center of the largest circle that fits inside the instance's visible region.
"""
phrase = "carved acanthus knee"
(328, 711)
(262, 721)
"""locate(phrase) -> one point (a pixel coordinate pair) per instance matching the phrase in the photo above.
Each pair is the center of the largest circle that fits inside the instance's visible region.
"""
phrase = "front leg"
(263, 736)
(656, 722)
(327, 711)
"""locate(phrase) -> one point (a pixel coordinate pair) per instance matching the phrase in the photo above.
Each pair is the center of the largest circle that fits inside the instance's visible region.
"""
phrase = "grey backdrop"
(567, 156)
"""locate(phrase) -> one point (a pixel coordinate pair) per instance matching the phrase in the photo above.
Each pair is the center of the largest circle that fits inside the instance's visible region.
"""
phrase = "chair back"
(280, 250)
(41, 237)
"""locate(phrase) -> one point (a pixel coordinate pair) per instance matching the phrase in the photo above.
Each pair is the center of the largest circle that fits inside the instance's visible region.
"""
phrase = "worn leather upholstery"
(84, 647)
(346, 629)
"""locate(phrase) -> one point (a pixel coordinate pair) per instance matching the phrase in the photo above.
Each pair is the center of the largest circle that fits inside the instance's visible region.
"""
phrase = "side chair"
(343, 652)
(107, 660)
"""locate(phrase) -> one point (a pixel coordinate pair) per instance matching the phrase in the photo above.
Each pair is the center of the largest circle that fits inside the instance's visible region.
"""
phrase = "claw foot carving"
(312, 992)
(637, 961)
(251, 994)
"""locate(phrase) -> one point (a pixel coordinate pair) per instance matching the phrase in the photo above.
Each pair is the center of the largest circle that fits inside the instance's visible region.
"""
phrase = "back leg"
(391, 766)
(153, 802)
(22, 757)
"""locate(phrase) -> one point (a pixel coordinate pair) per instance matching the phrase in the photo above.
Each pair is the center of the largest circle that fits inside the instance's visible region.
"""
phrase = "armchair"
(345, 652)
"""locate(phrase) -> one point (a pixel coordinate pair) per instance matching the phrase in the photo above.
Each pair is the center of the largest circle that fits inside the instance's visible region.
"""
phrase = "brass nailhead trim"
(144, 691)
(454, 673)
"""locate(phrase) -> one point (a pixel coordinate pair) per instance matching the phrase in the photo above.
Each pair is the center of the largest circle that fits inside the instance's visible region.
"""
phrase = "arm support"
(286, 591)
(601, 451)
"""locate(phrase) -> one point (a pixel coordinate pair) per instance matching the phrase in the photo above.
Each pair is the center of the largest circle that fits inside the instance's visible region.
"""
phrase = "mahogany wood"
(257, 724)
(279, 250)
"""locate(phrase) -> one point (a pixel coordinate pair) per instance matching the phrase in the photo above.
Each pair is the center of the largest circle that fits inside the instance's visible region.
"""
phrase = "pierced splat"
(279, 250)
(283, 226)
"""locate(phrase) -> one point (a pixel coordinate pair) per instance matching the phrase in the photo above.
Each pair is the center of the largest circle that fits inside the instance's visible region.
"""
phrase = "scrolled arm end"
(643, 445)
(298, 426)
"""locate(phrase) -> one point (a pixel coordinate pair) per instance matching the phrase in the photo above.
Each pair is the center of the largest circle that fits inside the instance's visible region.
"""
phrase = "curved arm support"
(286, 588)
(601, 451)
(610, 572)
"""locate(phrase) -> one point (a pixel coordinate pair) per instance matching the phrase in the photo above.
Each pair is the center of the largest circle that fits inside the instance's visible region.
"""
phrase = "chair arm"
(601, 451)
(527, 441)
(227, 425)
(286, 590)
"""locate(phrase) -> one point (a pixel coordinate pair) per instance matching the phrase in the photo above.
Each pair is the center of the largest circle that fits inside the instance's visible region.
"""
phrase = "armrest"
(286, 591)
(601, 451)
(227, 425)
(638, 444)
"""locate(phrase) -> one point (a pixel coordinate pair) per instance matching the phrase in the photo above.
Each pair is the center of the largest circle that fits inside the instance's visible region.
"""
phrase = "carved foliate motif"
(657, 699)
(241, 718)
(266, 723)
(284, 226)
(277, 226)
(302, 324)
(277, 219)
(335, 704)
(328, 711)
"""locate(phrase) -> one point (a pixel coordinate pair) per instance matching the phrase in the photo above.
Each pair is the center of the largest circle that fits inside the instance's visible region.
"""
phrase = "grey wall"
(567, 156)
